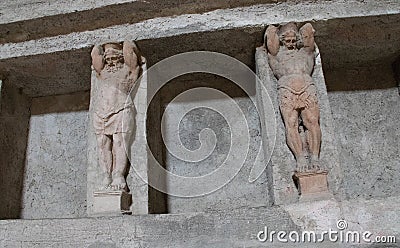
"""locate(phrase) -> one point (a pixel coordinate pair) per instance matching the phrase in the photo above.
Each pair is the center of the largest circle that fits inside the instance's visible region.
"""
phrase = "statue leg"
(310, 118)
(293, 139)
(104, 143)
(121, 162)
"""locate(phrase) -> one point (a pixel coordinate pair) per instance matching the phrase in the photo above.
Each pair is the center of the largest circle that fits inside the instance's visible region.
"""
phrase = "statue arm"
(132, 56)
(307, 35)
(97, 58)
(271, 40)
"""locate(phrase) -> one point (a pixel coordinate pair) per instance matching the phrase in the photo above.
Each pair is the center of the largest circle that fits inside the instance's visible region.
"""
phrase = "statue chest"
(115, 76)
(293, 61)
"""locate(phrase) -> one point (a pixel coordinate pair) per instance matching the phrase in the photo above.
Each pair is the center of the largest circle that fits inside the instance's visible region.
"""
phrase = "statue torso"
(112, 91)
(293, 68)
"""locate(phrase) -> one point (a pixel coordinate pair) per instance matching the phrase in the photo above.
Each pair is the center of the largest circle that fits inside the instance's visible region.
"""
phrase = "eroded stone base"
(312, 185)
(111, 202)
(236, 228)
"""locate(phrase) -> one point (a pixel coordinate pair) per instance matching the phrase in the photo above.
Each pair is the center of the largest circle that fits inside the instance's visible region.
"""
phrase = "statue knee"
(118, 143)
(311, 123)
(104, 142)
(292, 123)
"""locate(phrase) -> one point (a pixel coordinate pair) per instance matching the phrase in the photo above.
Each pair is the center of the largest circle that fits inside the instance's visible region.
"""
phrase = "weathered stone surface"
(233, 229)
(55, 168)
(237, 228)
(37, 19)
(32, 9)
(256, 16)
(366, 109)
(379, 216)
(237, 193)
(111, 202)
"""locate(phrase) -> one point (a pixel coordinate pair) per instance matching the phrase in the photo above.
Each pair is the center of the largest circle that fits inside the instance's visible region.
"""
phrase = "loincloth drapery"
(306, 97)
(120, 122)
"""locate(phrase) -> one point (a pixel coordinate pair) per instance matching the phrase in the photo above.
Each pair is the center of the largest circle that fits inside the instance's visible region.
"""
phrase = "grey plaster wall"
(237, 193)
(366, 108)
(157, 199)
(14, 123)
(54, 184)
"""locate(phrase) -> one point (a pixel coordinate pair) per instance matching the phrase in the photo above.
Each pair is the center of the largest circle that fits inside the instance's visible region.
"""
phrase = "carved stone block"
(112, 202)
(312, 185)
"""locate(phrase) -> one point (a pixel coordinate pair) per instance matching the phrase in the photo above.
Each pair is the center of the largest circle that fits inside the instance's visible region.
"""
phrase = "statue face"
(290, 41)
(113, 57)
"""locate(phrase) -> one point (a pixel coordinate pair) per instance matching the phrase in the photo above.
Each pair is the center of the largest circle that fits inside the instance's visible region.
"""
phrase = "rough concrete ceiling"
(346, 42)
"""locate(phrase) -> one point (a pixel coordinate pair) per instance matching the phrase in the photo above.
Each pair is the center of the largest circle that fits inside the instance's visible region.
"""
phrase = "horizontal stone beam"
(20, 10)
(257, 15)
(37, 19)
(238, 228)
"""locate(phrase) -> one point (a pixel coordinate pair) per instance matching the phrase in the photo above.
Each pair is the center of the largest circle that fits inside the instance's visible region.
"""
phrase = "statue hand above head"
(98, 58)
(271, 40)
(307, 36)
(132, 56)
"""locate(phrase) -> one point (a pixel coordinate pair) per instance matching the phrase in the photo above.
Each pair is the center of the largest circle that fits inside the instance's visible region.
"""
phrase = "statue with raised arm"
(291, 58)
(117, 67)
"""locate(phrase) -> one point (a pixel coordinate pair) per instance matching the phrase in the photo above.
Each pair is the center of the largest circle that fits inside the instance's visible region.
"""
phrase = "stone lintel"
(256, 16)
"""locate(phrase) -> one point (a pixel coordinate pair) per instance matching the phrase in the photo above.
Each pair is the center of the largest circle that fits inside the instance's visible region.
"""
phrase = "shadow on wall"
(396, 69)
(61, 103)
(14, 125)
(17, 174)
(365, 106)
(369, 77)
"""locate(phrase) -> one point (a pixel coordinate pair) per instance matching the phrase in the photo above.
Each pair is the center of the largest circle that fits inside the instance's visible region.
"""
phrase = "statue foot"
(315, 164)
(301, 164)
(106, 183)
(119, 183)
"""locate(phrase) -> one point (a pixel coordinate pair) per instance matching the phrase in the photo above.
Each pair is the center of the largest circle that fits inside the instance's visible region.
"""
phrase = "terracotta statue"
(117, 68)
(291, 58)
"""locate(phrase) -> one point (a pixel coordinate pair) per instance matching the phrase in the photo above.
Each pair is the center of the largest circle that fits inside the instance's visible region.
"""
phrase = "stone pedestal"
(312, 185)
(111, 202)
